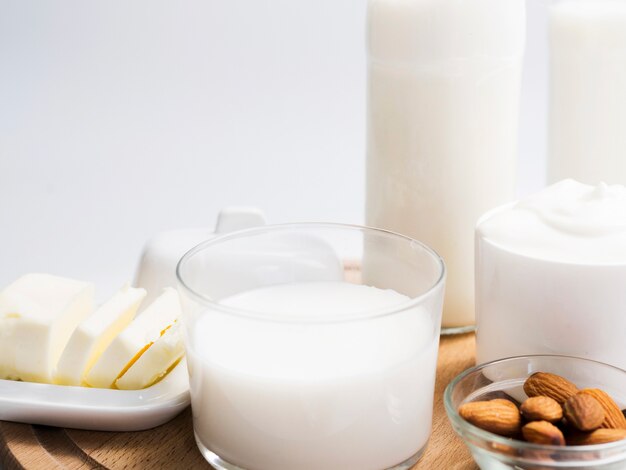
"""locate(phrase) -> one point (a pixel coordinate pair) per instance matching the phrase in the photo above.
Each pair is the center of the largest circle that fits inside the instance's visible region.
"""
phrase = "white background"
(119, 119)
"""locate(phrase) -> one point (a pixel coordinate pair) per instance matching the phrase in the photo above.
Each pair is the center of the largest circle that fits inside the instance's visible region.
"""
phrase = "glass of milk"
(312, 346)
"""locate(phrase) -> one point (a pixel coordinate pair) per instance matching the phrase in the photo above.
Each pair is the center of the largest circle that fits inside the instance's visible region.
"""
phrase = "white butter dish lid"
(157, 267)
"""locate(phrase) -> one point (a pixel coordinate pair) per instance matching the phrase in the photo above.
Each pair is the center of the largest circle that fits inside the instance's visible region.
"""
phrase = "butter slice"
(38, 314)
(95, 333)
(157, 361)
(134, 340)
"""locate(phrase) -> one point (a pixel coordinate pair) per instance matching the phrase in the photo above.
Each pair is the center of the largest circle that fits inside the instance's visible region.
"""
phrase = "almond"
(504, 401)
(583, 412)
(503, 449)
(613, 417)
(498, 416)
(542, 409)
(549, 385)
(599, 436)
(542, 432)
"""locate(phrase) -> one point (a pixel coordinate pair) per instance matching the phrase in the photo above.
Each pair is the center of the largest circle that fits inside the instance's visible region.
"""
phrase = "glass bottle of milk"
(588, 91)
(443, 105)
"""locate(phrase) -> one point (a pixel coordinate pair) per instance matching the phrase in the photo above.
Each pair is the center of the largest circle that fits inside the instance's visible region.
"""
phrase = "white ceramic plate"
(94, 408)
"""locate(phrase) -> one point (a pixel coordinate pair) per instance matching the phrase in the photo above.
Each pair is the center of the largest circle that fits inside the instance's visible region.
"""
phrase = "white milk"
(587, 91)
(444, 87)
(551, 275)
(309, 395)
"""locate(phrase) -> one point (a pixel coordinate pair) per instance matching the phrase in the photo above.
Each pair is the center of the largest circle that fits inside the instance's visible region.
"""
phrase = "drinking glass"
(312, 346)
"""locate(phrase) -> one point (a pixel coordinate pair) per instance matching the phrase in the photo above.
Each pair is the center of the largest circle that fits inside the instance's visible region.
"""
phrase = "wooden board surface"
(172, 445)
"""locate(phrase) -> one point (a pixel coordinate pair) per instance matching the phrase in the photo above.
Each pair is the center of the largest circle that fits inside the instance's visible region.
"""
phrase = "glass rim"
(359, 316)
(468, 429)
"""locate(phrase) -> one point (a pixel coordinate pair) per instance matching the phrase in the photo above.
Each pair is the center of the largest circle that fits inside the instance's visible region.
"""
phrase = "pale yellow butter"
(134, 340)
(157, 361)
(38, 314)
(95, 334)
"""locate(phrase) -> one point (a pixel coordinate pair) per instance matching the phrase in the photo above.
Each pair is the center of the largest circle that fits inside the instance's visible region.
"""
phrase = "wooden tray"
(172, 445)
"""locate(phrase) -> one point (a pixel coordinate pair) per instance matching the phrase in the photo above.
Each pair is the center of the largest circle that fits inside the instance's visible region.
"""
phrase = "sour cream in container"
(551, 275)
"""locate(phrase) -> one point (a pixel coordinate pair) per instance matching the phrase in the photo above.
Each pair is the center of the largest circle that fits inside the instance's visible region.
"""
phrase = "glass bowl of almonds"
(541, 412)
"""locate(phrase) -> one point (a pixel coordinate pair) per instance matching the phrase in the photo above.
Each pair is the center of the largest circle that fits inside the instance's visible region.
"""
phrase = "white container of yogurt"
(551, 275)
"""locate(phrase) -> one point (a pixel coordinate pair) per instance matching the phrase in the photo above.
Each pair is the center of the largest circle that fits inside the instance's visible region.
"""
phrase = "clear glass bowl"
(505, 379)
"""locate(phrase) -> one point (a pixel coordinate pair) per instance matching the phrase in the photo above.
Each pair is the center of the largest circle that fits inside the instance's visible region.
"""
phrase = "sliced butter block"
(157, 361)
(38, 314)
(134, 340)
(95, 333)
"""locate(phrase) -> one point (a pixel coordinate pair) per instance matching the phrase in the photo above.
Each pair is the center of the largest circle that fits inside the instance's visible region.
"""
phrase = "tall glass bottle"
(443, 105)
(588, 91)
